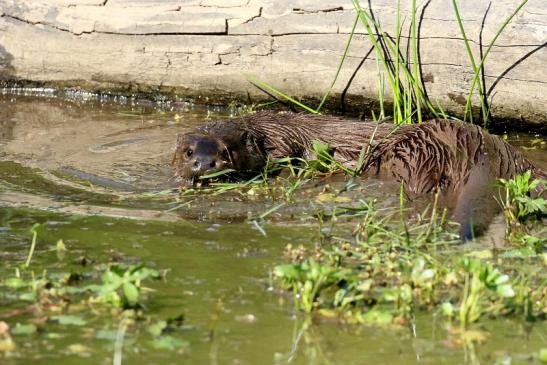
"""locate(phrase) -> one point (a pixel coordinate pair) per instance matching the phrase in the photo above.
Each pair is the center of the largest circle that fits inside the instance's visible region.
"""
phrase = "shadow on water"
(7, 124)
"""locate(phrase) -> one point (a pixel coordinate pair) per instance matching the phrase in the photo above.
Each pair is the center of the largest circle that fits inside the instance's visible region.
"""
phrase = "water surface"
(97, 175)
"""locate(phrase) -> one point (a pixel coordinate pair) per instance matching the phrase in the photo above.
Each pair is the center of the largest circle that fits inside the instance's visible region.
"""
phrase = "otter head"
(199, 154)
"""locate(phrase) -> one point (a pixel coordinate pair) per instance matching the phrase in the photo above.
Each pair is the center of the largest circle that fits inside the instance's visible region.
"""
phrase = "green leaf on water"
(111, 278)
(169, 343)
(111, 297)
(542, 355)
(24, 329)
(287, 271)
(142, 273)
(377, 317)
(109, 335)
(69, 320)
(78, 349)
(28, 297)
(156, 329)
(60, 246)
(53, 335)
(506, 291)
(447, 309)
(131, 293)
(15, 283)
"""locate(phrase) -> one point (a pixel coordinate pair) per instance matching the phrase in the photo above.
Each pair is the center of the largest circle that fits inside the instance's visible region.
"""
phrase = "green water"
(218, 262)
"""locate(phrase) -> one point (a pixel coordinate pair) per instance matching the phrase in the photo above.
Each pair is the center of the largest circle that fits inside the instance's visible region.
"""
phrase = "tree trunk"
(199, 48)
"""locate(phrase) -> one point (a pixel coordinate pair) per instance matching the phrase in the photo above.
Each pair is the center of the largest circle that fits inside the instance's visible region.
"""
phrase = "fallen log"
(199, 49)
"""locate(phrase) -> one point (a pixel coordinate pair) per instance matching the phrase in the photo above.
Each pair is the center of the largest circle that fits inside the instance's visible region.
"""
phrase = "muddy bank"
(199, 49)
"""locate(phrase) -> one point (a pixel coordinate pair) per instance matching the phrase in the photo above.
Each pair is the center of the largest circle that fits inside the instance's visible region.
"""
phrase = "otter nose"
(205, 164)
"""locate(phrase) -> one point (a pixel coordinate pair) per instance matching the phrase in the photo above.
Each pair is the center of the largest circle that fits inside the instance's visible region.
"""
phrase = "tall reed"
(478, 70)
(402, 73)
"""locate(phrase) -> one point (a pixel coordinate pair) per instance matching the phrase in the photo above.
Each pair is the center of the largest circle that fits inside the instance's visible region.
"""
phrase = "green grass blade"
(253, 79)
(490, 45)
(476, 70)
(340, 64)
(366, 20)
(416, 79)
(216, 174)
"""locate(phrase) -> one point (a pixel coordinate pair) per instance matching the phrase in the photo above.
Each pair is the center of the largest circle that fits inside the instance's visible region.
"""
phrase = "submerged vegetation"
(68, 298)
(386, 272)
(392, 265)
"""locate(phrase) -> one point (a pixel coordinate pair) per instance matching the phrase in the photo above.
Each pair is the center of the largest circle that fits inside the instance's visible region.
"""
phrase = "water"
(97, 175)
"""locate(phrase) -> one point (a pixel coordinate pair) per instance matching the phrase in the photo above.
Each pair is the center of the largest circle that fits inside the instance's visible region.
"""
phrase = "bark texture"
(201, 47)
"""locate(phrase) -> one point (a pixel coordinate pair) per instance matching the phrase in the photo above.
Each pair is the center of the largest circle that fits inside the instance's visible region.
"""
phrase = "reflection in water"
(6, 129)
(307, 343)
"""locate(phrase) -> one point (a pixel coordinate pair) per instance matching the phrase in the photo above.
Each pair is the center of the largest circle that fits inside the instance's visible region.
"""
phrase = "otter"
(245, 144)
(459, 159)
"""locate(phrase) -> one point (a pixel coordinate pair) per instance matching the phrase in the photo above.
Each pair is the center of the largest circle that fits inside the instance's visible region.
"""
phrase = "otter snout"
(198, 155)
(203, 165)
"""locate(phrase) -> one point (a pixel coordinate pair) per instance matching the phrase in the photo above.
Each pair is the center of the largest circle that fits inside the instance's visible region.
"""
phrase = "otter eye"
(189, 152)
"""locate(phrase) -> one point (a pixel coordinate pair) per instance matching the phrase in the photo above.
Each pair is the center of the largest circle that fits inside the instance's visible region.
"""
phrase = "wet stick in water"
(34, 231)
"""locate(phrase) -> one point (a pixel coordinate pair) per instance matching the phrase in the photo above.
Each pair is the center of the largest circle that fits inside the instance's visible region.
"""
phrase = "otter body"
(459, 159)
(444, 154)
(246, 144)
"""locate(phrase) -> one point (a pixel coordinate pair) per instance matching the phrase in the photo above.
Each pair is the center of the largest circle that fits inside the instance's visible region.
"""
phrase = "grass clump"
(86, 295)
(522, 201)
(478, 69)
(388, 272)
(403, 76)
(402, 69)
(120, 287)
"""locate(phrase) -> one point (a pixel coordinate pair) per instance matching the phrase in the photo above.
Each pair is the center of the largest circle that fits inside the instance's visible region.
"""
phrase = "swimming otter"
(245, 144)
(460, 159)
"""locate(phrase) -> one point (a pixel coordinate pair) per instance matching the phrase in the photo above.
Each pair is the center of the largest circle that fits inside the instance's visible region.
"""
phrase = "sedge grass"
(403, 75)
(478, 70)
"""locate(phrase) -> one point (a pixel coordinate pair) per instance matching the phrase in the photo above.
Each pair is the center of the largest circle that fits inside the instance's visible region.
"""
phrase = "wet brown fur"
(443, 154)
(251, 141)
(459, 159)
